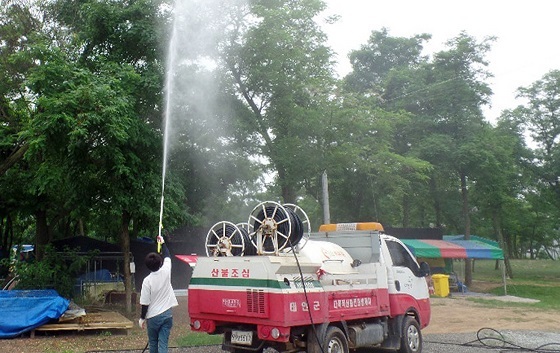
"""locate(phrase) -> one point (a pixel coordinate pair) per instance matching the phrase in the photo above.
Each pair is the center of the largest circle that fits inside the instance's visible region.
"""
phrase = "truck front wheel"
(411, 341)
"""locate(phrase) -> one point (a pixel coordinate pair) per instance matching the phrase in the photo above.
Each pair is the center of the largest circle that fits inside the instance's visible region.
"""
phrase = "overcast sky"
(528, 32)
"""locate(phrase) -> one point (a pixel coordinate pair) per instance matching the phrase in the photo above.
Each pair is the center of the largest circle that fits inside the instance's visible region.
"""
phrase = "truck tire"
(411, 341)
(334, 342)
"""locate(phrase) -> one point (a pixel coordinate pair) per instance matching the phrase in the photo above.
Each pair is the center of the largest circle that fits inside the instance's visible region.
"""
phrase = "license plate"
(242, 337)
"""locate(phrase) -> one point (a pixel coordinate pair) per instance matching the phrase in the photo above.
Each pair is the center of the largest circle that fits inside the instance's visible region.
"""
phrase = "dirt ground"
(459, 314)
(454, 314)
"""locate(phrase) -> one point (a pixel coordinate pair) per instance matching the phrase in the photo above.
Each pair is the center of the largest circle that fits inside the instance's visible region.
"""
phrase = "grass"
(535, 279)
(192, 339)
(548, 295)
(523, 270)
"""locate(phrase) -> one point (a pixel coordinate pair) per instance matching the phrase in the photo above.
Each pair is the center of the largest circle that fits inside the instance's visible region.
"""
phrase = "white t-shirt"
(157, 292)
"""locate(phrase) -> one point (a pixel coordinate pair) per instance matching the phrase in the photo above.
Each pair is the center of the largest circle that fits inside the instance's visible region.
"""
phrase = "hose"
(490, 338)
(250, 249)
(280, 215)
(225, 239)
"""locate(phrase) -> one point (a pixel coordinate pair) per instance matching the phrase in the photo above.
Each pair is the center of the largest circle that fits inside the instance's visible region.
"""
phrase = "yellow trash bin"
(441, 285)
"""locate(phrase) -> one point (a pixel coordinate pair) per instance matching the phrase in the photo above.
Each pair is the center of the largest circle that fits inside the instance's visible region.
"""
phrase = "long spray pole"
(160, 216)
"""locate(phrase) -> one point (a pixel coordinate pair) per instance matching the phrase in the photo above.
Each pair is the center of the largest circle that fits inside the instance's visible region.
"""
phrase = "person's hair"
(153, 261)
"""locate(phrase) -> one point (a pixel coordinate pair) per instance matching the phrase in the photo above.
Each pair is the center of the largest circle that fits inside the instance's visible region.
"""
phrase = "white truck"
(345, 287)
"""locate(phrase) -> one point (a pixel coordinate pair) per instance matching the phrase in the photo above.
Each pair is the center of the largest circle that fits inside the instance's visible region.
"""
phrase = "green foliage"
(55, 271)
(402, 138)
(376, 64)
(81, 103)
(282, 69)
(533, 219)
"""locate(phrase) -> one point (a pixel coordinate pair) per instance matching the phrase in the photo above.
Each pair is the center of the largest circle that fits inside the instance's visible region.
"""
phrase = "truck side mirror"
(356, 263)
(424, 269)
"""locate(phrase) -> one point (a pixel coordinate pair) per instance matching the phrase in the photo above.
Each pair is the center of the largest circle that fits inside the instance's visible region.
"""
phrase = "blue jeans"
(159, 328)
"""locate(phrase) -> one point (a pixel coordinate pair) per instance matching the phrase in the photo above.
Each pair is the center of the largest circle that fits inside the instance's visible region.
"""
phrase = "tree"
(379, 129)
(367, 177)
(499, 182)
(124, 36)
(540, 115)
(382, 57)
(17, 26)
(444, 97)
(28, 32)
(281, 69)
(456, 93)
(88, 118)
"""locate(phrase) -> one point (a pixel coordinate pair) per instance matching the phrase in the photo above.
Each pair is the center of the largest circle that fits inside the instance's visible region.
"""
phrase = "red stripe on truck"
(287, 309)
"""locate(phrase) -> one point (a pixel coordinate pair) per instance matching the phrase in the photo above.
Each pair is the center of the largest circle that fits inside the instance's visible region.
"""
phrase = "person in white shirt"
(157, 299)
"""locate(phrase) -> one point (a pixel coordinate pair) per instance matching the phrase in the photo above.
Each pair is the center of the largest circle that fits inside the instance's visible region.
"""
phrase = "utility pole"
(326, 207)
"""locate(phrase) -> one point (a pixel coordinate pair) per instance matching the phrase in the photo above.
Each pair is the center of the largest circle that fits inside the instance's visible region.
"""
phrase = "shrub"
(55, 271)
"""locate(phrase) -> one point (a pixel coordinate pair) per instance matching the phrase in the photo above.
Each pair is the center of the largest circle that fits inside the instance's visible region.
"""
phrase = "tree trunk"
(4, 232)
(510, 242)
(288, 194)
(406, 211)
(4, 242)
(125, 245)
(81, 231)
(498, 229)
(437, 205)
(288, 191)
(7, 234)
(12, 159)
(41, 233)
(467, 220)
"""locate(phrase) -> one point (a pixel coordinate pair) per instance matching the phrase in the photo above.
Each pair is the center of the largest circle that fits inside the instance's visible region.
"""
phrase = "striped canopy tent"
(454, 248)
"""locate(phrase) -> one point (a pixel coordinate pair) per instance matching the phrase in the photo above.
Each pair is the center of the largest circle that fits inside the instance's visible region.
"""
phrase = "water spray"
(195, 33)
(171, 58)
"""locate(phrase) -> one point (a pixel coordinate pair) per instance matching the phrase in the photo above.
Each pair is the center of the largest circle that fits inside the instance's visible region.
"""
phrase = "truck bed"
(269, 290)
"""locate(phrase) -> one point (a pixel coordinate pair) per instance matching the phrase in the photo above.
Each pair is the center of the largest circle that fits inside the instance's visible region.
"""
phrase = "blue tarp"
(24, 310)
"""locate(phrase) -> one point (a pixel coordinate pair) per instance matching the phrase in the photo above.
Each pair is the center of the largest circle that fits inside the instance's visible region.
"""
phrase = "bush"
(55, 271)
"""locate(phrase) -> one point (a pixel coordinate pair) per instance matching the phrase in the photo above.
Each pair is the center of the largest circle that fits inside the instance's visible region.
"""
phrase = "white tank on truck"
(271, 283)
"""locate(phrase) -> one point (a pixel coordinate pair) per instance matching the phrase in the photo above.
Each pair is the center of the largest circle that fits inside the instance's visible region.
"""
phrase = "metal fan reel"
(226, 239)
(270, 227)
(306, 224)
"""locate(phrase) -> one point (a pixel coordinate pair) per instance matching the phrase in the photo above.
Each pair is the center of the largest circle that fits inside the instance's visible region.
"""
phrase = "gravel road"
(490, 341)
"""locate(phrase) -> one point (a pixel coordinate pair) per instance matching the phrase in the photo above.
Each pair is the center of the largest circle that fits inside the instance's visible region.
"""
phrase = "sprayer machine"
(272, 284)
